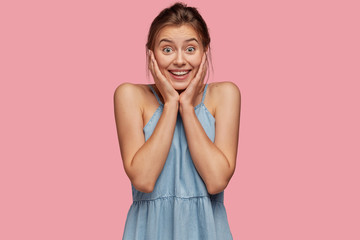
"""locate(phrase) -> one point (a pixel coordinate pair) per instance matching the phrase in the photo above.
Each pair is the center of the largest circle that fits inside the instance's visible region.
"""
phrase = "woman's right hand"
(167, 91)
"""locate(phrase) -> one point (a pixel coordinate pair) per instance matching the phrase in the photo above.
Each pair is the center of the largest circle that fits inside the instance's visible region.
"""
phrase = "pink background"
(297, 64)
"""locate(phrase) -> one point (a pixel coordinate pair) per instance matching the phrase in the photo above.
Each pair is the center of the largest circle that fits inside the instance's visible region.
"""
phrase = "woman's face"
(178, 52)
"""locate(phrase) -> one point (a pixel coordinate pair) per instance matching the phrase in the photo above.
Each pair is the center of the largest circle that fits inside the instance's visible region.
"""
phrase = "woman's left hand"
(188, 97)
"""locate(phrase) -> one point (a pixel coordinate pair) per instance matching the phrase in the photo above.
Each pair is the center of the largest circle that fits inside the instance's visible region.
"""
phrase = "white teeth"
(179, 73)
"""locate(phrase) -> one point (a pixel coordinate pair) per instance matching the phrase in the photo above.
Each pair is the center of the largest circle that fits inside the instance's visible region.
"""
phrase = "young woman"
(179, 136)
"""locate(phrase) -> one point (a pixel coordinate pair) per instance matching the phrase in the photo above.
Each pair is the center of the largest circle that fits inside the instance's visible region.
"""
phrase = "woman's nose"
(179, 59)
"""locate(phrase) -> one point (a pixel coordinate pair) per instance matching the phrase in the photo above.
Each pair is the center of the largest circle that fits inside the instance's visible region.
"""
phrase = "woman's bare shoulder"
(219, 90)
(132, 95)
(220, 87)
(134, 92)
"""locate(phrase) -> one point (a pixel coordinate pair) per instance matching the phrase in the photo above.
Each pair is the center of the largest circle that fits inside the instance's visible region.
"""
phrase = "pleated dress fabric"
(179, 207)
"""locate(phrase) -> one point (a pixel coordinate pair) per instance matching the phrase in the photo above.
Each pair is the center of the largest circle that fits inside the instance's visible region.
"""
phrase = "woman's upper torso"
(179, 207)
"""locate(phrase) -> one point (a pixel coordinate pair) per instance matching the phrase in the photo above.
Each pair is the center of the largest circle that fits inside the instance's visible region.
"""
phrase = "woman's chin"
(178, 85)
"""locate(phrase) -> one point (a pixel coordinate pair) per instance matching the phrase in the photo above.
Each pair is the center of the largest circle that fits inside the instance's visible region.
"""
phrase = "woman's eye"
(191, 49)
(167, 49)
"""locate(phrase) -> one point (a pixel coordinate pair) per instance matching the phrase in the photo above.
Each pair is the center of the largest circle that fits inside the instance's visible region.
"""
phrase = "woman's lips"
(180, 77)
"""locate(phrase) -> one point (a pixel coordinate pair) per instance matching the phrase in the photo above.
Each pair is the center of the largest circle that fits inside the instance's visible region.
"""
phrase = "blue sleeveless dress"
(179, 208)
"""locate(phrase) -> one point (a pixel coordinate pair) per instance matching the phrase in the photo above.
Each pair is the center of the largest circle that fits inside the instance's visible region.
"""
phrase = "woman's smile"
(179, 74)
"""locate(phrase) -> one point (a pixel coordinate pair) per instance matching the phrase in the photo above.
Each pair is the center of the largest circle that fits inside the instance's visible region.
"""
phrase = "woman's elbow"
(216, 188)
(140, 183)
(143, 186)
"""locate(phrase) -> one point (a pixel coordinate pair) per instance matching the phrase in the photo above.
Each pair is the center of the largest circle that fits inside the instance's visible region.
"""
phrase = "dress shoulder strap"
(157, 97)
(203, 97)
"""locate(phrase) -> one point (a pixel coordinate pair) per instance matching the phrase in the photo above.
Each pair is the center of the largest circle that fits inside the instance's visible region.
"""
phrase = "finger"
(154, 74)
(203, 61)
(149, 62)
(157, 69)
(159, 77)
(205, 69)
(204, 66)
(199, 74)
(152, 65)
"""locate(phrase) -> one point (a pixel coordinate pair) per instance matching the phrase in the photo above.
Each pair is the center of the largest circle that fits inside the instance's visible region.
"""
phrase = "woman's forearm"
(208, 159)
(150, 159)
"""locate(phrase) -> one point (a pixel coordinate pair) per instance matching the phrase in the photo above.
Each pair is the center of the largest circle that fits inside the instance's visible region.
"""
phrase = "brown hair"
(177, 15)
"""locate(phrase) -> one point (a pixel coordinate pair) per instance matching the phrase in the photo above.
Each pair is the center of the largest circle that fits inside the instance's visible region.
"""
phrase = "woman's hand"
(167, 91)
(188, 97)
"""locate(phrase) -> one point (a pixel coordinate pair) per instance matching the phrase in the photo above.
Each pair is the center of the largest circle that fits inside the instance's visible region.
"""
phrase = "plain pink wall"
(296, 64)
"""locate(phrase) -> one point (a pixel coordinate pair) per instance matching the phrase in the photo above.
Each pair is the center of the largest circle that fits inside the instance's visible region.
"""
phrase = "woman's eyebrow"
(168, 40)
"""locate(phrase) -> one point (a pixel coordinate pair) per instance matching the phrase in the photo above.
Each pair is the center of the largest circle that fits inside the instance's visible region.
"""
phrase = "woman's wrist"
(185, 107)
(171, 104)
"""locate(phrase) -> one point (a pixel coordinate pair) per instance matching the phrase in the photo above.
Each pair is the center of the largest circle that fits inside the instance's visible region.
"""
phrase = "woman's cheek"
(162, 67)
(196, 61)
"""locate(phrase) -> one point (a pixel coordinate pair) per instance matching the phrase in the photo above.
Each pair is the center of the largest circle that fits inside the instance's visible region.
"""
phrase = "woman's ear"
(207, 55)
(206, 50)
